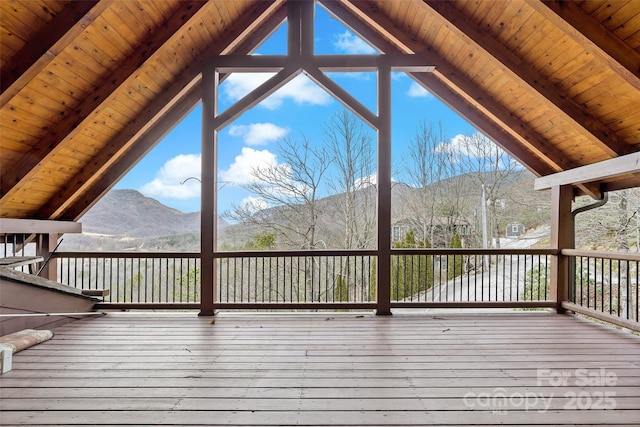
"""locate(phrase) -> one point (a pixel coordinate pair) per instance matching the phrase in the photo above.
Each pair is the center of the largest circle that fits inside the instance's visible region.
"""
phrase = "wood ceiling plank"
(512, 14)
(627, 14)
(573, 114)
(418, 20)
(561, 55)
(530, 46)
(625, 122)
(42, 87)
(589, 6)
(43, 47)
(77, 84)
(23, 20)
(100, 57)
(619, 96)
(606, 10)
(118, 35)
(593, 36)
(107, 42)
(628, 32)
(107, 90)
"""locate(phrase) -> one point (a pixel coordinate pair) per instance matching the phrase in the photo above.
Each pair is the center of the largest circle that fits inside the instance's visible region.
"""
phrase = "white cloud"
(471, 146)
(301, 90)
(366, 181)
(167, 185)
(240, 171)
(417, 91)
(254, 204)
(258, 133)
(349, 43)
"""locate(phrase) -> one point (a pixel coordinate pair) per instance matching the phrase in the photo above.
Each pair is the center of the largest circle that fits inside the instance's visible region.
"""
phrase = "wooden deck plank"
(326, 369)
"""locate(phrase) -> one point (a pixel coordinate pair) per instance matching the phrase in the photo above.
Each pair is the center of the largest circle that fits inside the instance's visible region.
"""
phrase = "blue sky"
(299, 108)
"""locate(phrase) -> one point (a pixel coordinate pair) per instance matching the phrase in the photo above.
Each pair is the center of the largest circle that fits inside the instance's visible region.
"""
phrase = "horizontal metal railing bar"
(320, 252)
(624, 256)
(126, 255)
(605, 317)
(147, 305)
(474, 304)
(295, 305)
(296, 253)
(458, 251)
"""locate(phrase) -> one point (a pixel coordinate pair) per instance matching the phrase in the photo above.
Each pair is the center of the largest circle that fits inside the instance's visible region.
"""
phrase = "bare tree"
(434, 173)
(286, 194)
(352, 153)
(491, 168)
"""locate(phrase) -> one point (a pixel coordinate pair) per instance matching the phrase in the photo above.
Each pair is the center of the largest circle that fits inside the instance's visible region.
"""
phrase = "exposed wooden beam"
(572, 113)
(593, 36)
(618, 166)
(343, 96)
(562, 237)
(255, 96)
(68, 128)
(462, 95)
(45, 46)
(163, 123)
(384, 175)
(326, 63)
(358, 13)
(84, 198)
(163, 115)
(458, 92)
(34, 226)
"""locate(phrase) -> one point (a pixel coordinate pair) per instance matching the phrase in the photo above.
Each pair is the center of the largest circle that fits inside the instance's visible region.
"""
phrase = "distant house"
(514, 230)
(439, 230)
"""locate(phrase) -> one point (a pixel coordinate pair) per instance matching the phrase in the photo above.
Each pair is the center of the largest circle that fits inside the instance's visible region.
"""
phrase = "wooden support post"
(561, 238)
(208, 197)
(384, 191)
(46, 243)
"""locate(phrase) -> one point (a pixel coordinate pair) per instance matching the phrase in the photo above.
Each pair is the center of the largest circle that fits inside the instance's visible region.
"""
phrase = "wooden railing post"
(208, 197)
(561, 238)
(46, 243)
(383, 275)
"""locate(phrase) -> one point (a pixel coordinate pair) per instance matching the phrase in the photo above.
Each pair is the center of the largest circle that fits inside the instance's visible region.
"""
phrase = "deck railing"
(315, 279)
(471, 277)
(605, 285)
(18, 245)
(135, 278)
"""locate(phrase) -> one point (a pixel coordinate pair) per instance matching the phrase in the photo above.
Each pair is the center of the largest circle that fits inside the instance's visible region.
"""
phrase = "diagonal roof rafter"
(67, 128)
(592, 35)
(65, 200)
(47, 44)
(166, 118)
(572, 113)
(465, 97)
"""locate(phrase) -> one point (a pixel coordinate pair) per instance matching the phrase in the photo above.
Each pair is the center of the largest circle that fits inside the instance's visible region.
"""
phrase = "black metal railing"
(605, 282)
(150, 278)
(315, 279)
(296, 277)
(470, 276)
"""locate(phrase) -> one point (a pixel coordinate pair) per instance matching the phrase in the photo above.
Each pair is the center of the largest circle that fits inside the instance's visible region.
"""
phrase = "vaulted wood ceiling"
(88, 87)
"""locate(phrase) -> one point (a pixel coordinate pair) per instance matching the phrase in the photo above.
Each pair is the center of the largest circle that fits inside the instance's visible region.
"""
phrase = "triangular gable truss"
(393, 28)
(300, 58)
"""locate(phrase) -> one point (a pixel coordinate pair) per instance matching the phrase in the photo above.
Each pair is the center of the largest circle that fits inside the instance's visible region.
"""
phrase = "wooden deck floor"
(522, 368)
